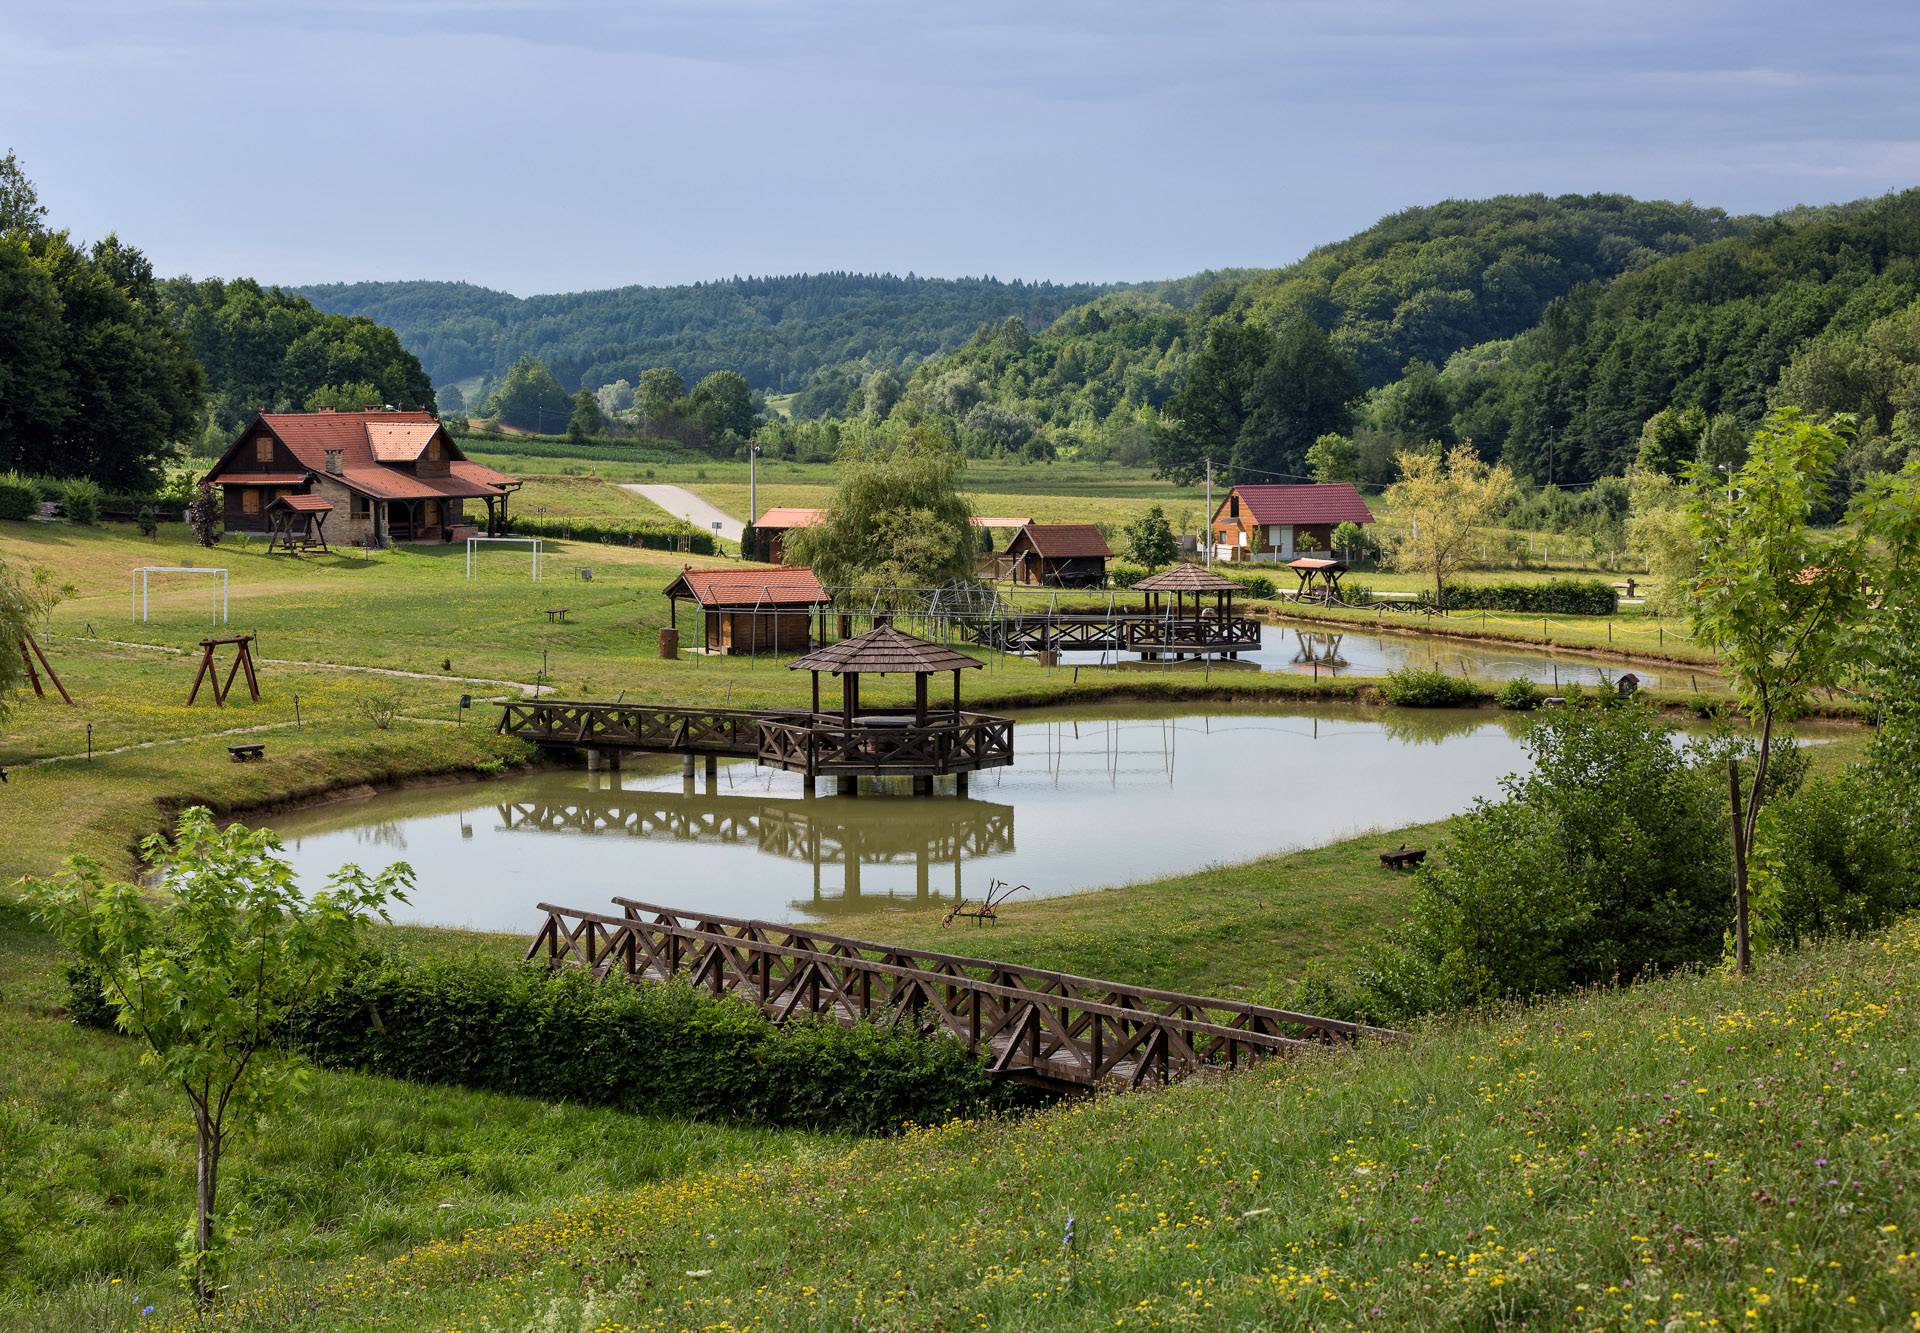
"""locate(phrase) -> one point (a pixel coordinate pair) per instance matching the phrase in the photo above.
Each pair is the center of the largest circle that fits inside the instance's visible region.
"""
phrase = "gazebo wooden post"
(849, 697)
(956, 694)
(920, 700)
(816, 692)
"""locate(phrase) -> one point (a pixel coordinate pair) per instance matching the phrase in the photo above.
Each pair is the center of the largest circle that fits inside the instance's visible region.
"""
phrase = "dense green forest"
(776, 331)
(106, 371)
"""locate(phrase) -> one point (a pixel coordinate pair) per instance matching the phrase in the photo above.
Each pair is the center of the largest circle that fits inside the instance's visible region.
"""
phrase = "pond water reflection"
(1129, 794)
(1316, 650)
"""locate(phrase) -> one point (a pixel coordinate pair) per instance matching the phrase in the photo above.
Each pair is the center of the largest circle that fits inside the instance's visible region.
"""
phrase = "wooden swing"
(242, 660)
(31, 649)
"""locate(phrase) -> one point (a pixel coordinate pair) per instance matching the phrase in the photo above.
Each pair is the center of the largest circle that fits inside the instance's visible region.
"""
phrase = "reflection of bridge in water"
(820, 833)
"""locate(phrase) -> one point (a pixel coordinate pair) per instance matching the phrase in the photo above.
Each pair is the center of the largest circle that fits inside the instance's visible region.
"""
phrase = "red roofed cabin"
(1058, 555)
(390, 476)
(750, 610)
(766, 537)
(1276, 525)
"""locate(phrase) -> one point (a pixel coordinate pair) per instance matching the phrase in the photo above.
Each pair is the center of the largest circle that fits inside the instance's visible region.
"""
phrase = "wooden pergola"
(1182, 581)
(1328, 573)
(299, 524)
(883, 651)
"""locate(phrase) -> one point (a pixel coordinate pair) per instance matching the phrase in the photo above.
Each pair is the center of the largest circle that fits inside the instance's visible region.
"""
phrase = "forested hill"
(775, 331)
(1419, 285)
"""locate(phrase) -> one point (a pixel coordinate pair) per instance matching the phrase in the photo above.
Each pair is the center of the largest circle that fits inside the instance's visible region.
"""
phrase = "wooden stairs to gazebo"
(1051, 1029)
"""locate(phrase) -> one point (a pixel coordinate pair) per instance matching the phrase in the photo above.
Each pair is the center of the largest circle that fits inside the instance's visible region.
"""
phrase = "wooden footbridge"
(1118, 631)
(1051, 1029)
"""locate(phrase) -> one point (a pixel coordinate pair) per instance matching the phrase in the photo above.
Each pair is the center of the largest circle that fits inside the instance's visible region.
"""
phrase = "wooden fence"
(1048, 1028)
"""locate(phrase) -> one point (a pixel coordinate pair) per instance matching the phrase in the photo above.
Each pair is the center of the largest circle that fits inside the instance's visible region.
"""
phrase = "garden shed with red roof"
(1277, 525)
(749, 610)
(387, 476)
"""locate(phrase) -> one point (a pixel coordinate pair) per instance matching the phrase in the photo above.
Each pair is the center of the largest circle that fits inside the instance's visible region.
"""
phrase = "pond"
(1318, 650)
(1132, 793)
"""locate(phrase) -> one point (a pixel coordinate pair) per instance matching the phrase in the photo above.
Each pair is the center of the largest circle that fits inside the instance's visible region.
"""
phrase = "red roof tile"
(790, 518)
(1065, 541)
(387, 483)
(750, 587)
(311, 504)
(1335, 502)
(399, 441)
(258, 479)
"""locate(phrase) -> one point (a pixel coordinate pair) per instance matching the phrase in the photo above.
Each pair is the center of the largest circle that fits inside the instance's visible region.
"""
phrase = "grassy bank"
(1698, 1152)
(96, 1177)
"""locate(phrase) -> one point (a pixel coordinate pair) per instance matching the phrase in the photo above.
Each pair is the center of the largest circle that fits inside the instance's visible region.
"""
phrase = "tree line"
(106, 370)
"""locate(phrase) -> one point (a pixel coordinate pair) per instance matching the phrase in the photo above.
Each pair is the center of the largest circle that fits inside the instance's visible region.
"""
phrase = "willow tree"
(1440, 502)
(897, 520)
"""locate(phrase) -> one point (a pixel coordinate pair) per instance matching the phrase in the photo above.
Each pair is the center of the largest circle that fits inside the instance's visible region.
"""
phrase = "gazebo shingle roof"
(1185, 578)
(884, 651)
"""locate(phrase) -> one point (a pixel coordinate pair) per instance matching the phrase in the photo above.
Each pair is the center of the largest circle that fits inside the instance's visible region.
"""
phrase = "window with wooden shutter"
(249, 501)
(263, 449)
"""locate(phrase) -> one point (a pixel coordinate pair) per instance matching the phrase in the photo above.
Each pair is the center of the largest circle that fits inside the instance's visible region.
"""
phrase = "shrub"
(1257, 585)
(203, 516)
(19, 497)
(1519, 695)
(80, 500)
(379, 708)
(662, 536)
(1606, 861)
(654, 1049)
(1559, 597)
(1827, 860)
(1428, 687)
(1354, 593)
(1124, 576)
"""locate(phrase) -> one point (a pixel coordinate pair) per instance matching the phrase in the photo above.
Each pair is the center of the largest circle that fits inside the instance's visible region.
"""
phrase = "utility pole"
(1208, 539)
(753, 486)
(1549, 458)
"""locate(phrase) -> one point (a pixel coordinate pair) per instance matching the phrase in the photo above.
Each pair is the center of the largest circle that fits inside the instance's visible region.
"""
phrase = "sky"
(559, 145)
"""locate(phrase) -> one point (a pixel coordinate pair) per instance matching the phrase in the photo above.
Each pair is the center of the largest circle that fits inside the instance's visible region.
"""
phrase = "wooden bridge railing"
(949, 743)
(1044, 1027)
(716, 731)
(1128, 631)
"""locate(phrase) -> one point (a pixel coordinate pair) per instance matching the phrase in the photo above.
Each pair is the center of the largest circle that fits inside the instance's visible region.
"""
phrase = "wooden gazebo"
(1183, 581)
(922, 742)
(298, 523)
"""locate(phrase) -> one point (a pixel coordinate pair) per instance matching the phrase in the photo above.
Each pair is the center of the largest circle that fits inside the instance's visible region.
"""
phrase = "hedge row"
(664, 536)
(1565, 597)
(666, 1050)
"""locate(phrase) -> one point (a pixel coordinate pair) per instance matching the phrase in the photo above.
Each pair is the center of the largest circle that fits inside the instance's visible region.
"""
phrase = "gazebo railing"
(887, 740)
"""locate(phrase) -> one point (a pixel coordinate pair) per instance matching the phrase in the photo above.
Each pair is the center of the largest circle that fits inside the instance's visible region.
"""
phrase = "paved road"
(683, 503)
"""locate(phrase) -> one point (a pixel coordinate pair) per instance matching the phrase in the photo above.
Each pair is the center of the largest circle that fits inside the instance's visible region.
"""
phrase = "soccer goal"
(473, 553)
(143, 582)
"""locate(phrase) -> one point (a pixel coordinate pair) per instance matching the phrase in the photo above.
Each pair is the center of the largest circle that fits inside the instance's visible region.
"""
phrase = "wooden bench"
(243, 753)
(1403, 857)
(556, 613)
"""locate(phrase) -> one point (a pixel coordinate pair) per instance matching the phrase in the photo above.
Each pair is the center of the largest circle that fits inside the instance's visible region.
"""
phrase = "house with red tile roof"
(749, 610)
(1057, 555)
(389, 476)
(1280, 524)
(766, 537)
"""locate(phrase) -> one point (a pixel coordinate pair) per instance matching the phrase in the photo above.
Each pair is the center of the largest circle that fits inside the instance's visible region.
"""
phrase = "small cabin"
(744, 611)
(765, 539)
(1058, 555)
(1276, 525)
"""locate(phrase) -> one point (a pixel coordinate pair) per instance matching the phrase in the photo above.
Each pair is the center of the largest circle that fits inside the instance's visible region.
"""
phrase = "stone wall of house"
(343, 528)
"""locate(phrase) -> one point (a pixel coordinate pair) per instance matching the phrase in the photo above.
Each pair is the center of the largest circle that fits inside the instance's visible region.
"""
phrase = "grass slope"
(1697, 1152)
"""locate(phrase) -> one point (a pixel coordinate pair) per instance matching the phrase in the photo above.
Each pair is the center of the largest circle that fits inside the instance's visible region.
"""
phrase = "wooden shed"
(1058, 555)
(750, 610)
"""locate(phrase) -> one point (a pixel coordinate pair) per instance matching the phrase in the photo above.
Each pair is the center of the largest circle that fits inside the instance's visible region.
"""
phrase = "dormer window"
(263, 449)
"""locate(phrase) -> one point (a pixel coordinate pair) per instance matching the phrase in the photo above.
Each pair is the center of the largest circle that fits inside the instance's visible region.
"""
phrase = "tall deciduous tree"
(722, 404)
(1256, 400)
(531, 398)
(16, 620)
(205, 966)
(1150, 540)
(1333, 457)
(20, 206)
(658, 391)
(1779, 602)
(1439, 503)
(586, 419)
(897, 519)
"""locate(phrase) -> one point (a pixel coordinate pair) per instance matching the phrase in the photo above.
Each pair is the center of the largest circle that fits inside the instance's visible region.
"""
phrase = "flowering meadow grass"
(1699, 1152)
